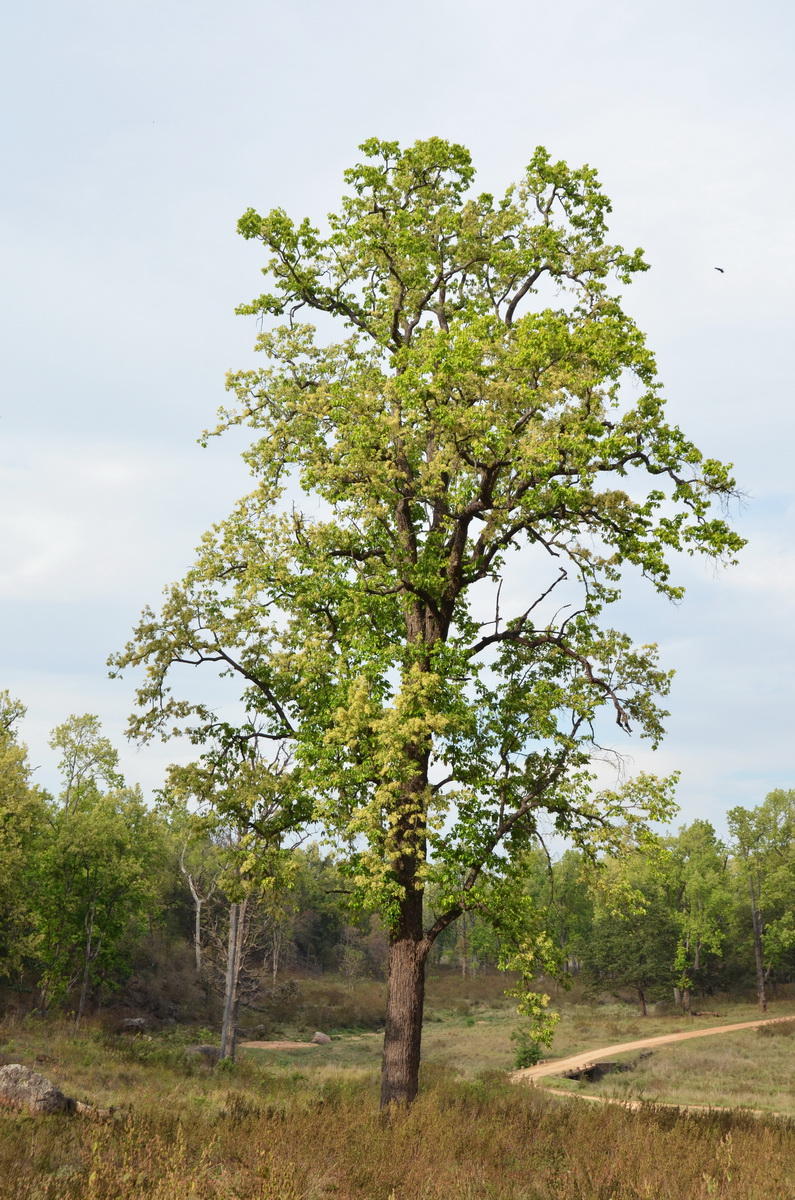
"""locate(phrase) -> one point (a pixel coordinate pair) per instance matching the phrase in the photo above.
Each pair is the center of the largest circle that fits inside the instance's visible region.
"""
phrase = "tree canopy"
(414, 595)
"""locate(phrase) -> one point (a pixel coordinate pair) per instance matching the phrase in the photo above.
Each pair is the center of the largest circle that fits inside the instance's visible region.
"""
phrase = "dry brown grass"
(461, 1140)
(304, 1125)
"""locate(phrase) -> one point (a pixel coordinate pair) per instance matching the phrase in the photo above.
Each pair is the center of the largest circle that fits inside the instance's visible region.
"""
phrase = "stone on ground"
(25, 1089)
(207, 1054)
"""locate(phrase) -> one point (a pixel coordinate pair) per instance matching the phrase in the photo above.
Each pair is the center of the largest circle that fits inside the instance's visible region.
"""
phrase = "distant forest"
(106, 901)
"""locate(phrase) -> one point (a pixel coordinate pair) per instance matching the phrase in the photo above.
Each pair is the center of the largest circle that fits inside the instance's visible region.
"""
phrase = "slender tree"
(412, 597)
(698, 885)
(245, 805)
(764, 840)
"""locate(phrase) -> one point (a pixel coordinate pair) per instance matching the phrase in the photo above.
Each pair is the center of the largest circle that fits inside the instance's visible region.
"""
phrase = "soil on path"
(277, 1045)
(587, 1058)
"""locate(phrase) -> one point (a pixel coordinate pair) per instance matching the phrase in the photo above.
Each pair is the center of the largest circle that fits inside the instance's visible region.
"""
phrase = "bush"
(528, 1050)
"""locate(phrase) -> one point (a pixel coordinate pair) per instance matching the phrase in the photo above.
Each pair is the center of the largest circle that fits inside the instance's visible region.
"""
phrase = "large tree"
(412, 596)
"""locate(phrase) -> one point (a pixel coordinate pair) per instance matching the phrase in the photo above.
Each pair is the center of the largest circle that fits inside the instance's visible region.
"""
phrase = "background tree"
(563, 890)
(23, 813)
(439, 705)
(244, 805)
(634, 935)
(699, 886)
(764, 849)
(97, 869)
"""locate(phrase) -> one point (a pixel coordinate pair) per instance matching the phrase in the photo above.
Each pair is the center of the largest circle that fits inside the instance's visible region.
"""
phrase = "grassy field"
(752, 1069)
(304, 1125)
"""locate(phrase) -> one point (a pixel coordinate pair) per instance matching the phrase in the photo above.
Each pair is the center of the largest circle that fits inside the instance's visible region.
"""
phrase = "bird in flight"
(721, 270)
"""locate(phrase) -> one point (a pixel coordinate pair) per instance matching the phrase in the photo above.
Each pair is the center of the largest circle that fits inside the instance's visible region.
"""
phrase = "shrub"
(528, 1050)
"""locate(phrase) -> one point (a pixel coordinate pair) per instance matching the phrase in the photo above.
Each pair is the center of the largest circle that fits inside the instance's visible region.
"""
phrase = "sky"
(134, 134)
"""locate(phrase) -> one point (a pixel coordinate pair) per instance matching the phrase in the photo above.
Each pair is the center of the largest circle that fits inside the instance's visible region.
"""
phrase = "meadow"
(304, 1124)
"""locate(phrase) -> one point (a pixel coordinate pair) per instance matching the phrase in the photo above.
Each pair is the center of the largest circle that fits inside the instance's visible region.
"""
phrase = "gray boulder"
(25, 1089)
(207, 1054)
(132, 1025)
(321, 1039)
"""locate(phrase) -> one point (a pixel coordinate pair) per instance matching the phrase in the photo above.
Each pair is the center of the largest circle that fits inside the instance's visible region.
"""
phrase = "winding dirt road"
(587, 1058)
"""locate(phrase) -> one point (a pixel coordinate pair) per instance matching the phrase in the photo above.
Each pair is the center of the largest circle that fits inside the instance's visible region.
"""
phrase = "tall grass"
(306, 1126)
(463, 1140)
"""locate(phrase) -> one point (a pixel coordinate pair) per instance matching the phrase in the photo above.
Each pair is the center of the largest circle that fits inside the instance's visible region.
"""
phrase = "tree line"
(92, 878)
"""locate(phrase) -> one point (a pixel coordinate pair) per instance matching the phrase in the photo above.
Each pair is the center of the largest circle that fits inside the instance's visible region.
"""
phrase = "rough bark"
(408, 952)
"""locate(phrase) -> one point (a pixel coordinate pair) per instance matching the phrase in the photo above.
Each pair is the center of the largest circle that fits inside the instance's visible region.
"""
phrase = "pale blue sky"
(134, 135)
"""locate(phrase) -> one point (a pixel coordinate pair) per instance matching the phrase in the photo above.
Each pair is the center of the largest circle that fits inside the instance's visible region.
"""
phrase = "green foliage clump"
(528, 1048)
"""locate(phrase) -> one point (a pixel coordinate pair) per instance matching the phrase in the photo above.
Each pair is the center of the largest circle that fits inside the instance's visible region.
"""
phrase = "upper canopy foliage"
(461, 418)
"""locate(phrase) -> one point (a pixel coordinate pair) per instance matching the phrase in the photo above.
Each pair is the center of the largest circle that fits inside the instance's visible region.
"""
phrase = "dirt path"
(586, 1058)
(277, 1045)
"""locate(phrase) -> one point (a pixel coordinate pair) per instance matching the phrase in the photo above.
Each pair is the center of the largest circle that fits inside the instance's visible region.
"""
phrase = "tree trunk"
(197, 933)
(642, 998)
(756, 919)
(227, 1026)
(463, 921)
(87, 966)
(686, 1001)
(408, 951)
(241, 934)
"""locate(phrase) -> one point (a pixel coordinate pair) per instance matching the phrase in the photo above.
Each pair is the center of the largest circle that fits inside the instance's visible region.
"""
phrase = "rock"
(132, 1025)
(321, 1039)
(208, 1054)
(25, 1089)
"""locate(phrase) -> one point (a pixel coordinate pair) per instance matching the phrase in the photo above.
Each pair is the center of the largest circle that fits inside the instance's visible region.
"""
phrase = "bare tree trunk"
(241, 934)
(463, 920)
(237, 927)
(227, 1026)
(277, 940)
(197, 932)
(756, 919)
(686, 1001)
(408, 951)
(198, 901)
(642, 998)
(87, 965)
